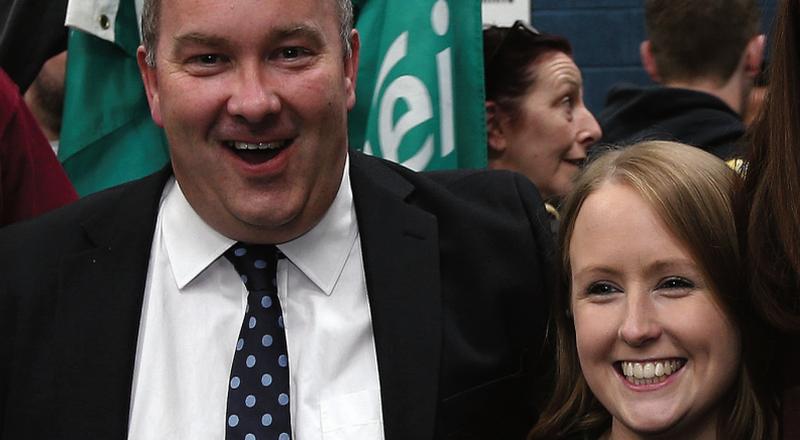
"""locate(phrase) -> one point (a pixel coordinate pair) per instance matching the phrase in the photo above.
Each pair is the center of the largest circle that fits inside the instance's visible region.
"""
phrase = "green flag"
(107, 135)
(420, 99)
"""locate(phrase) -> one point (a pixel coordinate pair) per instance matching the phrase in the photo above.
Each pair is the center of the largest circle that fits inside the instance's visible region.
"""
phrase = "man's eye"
(601, 289)
(208, 59)
(291, 53)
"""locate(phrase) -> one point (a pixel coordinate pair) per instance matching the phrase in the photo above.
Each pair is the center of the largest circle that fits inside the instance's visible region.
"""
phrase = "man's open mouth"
(257, 152)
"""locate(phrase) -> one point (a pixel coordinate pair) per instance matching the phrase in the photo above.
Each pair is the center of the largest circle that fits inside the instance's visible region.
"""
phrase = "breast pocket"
(353, 416)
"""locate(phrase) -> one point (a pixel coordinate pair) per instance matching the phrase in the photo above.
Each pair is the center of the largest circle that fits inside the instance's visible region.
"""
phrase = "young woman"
(653, 336)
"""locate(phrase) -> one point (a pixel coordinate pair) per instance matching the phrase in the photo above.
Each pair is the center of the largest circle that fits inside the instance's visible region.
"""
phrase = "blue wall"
(605, 35)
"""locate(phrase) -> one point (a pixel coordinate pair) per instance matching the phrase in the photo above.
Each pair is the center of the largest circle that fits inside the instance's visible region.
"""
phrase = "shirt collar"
(322, 252)
(192, 245)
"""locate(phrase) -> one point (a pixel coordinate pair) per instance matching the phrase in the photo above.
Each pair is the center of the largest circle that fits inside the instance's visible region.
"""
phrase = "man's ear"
(351, 68)
(150, 80)
(495, 128)
(754, 56)
(649, 61)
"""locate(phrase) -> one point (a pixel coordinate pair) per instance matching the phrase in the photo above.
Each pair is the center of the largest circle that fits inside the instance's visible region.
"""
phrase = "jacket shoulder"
(67, 229)
(468, 185)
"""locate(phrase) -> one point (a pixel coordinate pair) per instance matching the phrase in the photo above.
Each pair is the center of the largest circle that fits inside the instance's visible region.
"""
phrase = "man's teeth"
(256, 145)
(644, 373)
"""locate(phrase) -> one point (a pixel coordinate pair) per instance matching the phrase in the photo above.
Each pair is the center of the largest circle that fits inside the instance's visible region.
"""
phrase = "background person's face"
(549, 140)
(654, 347)
(253, 96)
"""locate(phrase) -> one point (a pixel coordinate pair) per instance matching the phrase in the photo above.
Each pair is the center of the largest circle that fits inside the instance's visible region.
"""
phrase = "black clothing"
(457, 268)
(31, 31)
(635, 113)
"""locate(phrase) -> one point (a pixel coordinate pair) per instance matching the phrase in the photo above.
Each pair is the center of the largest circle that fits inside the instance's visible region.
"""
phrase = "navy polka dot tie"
(258, 396)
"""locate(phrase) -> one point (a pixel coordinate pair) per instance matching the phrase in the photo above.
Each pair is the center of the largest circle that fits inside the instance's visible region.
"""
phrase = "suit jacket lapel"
(401, 263)
(101, 291)
(98, 313)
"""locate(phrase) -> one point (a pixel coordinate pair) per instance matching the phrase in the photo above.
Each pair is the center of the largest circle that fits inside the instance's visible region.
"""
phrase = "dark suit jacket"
(456, 266)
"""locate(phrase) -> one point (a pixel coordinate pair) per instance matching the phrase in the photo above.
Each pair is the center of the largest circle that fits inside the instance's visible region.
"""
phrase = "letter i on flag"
(420, 98)
(107, 135)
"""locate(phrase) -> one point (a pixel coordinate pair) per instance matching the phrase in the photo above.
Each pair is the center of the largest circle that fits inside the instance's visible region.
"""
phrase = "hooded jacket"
(634, 113)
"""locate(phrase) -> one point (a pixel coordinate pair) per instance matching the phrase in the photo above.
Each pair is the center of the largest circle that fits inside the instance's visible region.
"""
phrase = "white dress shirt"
(194, 304)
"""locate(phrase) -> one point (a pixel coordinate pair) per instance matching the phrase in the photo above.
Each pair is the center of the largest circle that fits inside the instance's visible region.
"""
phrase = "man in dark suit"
(414, 305)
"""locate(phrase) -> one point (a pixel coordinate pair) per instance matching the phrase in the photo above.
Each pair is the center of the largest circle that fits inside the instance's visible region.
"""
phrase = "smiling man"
(270, 283)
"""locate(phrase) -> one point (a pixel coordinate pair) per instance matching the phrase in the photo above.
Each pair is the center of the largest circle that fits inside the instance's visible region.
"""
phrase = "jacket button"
(105, 23)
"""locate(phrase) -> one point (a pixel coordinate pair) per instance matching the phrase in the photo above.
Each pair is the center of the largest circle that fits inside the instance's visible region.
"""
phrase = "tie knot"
(255, 263)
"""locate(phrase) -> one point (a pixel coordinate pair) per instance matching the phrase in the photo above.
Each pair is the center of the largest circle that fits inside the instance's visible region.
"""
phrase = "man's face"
(253, 96)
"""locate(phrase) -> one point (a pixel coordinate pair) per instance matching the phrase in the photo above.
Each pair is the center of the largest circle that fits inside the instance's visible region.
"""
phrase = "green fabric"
(107, 134)
(402, 111)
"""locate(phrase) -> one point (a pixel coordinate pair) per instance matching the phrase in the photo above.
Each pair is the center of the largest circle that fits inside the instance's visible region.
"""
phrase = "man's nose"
(640, 324)
(254, 94)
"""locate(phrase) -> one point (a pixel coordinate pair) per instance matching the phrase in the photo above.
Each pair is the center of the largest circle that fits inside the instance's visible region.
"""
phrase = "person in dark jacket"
(704, 57)
(404, 305)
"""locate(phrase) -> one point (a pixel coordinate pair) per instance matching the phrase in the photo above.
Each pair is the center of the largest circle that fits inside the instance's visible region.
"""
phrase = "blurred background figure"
(32, 181)
(537, 123)
(654, 334)
(31, 32)
(705, 55)
(757, 95)
(45, 97)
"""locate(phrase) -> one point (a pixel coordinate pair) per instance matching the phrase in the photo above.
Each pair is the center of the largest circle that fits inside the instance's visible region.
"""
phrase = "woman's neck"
(701, 430)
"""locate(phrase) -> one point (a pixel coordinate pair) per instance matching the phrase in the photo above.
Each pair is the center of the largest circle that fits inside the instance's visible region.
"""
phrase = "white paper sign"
(505, 12)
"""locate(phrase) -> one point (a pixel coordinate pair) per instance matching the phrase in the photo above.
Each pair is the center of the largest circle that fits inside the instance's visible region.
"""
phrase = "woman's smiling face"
(654, 346)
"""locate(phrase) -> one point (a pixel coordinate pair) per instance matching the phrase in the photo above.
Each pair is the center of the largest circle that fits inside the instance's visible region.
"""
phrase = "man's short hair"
(693, 39)
(151, 13)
